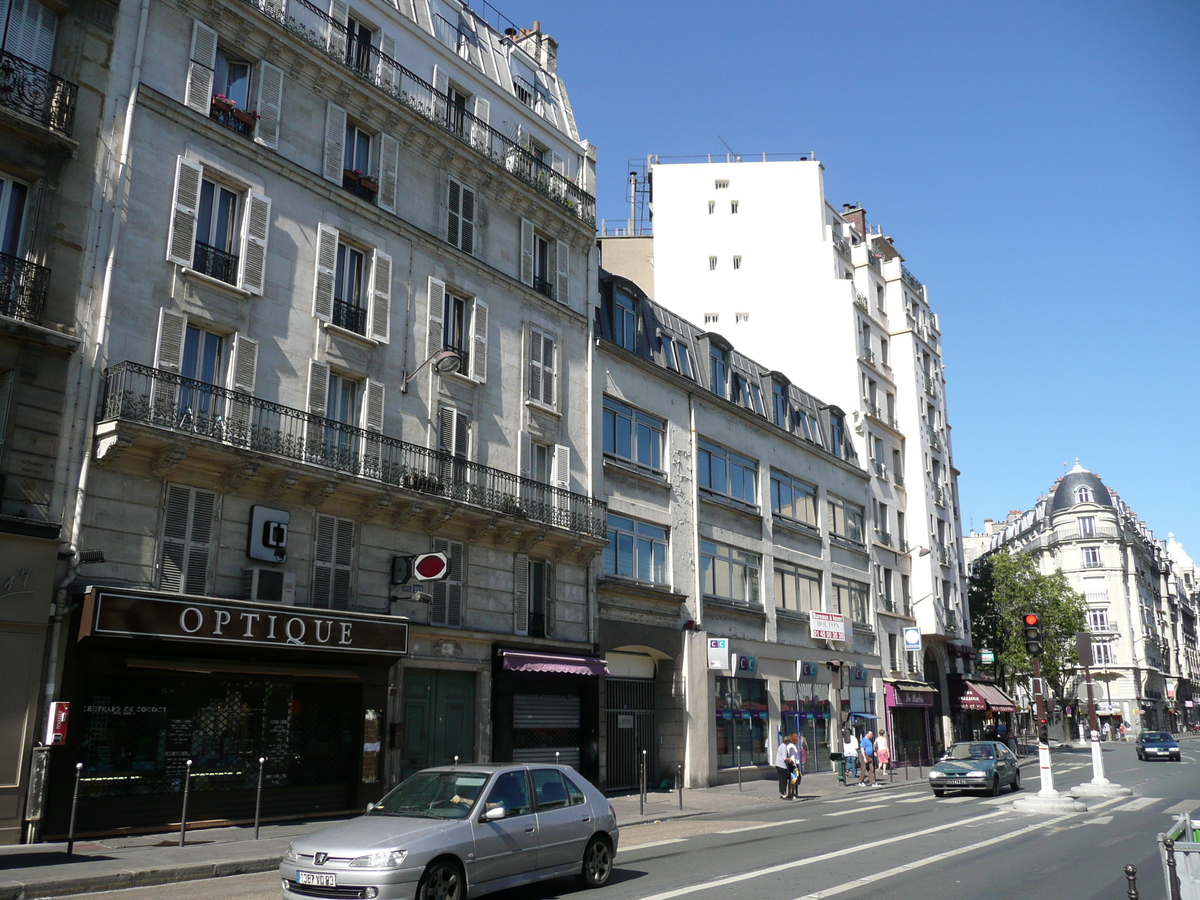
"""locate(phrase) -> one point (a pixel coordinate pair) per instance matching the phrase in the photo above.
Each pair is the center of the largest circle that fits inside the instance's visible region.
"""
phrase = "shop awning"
(517, 661)
(971, 698)
(997, 700)
(915, 686)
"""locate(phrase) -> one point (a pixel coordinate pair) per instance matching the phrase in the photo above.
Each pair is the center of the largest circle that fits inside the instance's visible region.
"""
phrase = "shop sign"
(718, 653)
(746, 665)
(912, 638)
(987, 657)
(110, 613)
(827, 626)
(807, 670)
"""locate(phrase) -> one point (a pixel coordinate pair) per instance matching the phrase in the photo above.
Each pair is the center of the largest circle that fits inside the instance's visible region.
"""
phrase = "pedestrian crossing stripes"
(1137, 803)
(857, 809)
(761, 825)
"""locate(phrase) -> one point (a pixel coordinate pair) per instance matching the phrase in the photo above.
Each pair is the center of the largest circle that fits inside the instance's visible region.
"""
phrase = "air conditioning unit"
(269, 585)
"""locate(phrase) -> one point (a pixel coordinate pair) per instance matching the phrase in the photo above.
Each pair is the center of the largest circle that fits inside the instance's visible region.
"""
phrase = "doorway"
(439, 719)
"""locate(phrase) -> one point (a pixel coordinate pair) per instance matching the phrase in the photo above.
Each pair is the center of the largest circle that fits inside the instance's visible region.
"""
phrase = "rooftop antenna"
(737, 157)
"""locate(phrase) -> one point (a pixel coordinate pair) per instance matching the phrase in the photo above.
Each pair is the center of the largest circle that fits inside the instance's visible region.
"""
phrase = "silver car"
(454, 832)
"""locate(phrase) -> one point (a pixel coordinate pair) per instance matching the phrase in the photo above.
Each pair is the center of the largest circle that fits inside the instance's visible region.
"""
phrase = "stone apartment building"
(348, 321)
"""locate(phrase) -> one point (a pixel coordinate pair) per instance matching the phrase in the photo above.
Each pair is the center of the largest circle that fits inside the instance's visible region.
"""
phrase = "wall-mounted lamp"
(445, 361)
(922, 551)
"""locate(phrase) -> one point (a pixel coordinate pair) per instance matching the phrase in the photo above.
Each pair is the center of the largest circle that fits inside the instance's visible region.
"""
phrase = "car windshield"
(971, 751)
(1155, 736)
(433, 795)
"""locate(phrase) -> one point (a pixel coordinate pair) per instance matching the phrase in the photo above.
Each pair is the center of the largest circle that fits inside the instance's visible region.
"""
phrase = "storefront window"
(860, 703)
(805, 709)
(741, 722)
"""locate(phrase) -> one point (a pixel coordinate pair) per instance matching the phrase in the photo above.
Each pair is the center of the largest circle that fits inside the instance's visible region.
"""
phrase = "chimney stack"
(856, 216)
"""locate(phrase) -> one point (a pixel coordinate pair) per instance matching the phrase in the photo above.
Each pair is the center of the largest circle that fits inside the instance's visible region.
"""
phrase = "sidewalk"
(30, 871)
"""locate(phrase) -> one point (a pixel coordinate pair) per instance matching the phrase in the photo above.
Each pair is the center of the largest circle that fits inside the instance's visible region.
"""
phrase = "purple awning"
(516, 661)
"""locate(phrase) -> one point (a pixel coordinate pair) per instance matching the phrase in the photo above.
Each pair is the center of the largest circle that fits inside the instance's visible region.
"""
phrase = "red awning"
(997, 700)
(516, 661)
(971, 698)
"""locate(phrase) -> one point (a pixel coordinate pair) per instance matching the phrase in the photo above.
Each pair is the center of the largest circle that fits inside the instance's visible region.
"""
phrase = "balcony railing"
(883, 537)
(234, 119)
(318, 28)
(951, 619)
(939, 495)
(841, 245)
(860, 300)
(543, 287)
(215, 263)
(902, 546)
(875, 260)
(866, 354)
(935, 440)
(943, 555)
(350, 316)
(1074, 533)
(34, 92)
(462, 43)
(23, 289)
(930, 386)
(360, 186)
(911, 280)
(186, 407)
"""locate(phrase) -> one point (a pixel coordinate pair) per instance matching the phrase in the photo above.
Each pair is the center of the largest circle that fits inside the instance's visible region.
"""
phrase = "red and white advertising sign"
(56, 723)
(828, 626)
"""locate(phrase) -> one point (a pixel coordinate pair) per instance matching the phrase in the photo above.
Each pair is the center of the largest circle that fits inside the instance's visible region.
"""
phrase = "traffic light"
(1043, 731)
(1033, 634)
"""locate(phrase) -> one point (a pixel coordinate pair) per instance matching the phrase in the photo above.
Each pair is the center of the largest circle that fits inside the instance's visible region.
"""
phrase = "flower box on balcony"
(245, 116)
(351, 174)
(222, 103)
(369, 184)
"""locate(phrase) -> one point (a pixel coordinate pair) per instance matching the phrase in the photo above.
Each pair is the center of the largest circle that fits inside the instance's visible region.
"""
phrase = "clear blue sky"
(1037, 163)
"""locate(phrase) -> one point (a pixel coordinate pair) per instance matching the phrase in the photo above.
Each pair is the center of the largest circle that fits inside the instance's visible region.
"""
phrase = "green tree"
(1002, 589)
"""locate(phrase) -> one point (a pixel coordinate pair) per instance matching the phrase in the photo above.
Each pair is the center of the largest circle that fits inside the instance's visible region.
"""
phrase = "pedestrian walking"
(795, 773)
(867, 759)
(785, 762)
(1122, 730)
(1107, 730)
(850, 752)
(883, 753)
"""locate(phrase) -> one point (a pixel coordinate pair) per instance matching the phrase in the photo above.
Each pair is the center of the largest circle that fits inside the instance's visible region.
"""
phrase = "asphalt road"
(900, 843)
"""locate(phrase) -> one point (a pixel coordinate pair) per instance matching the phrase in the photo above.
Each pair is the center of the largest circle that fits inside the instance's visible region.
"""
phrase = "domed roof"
(1079, 486)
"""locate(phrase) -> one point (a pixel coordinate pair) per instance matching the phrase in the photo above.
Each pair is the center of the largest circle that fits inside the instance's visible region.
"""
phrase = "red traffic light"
(1032, 620)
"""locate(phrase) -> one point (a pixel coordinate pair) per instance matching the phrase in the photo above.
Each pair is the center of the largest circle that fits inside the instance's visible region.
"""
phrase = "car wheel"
(597, 863)
(995, 788)
(443, 880)
(1016, 785)
(939, 792)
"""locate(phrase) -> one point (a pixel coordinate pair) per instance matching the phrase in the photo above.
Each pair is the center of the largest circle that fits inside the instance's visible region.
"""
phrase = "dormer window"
(719, 362)
(1084, 495)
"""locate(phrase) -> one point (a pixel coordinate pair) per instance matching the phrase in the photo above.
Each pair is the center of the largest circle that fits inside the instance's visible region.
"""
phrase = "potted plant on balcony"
(221, 103)
(351, 175)
(245, 116)
(369, 183)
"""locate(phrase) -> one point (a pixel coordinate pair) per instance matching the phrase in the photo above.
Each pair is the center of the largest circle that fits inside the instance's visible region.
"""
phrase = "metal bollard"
(1131, 877)
(258, 797)
(738, 764)
(187, 783)
(557, 753)
(1173, 885)
(679, 784)
(642, 785)
(74, 803)
(456, 757)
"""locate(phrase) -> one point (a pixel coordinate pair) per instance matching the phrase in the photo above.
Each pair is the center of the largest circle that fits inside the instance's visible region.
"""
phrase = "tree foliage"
(1002, 589)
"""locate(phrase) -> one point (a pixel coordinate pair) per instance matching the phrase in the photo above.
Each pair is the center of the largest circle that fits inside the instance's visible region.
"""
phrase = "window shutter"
(527, 239)
(561, 476)
(479, 131)
(181, 240)
(447, 594)
(563, 264)
(446, 423)
(6, 394)
(270, 105)
(327, 241)
(318, 387)
(436, 298)
(535, 365)
(168, 353)
(372, 422)
(454, 213)
(548, 394)
(323, 540)
(243, 373)
(479, 335)
(200, 73)
(381, 297)
(335, 142)
(558, 163)
(462, 431)
(520, 593)
(186, 539)
(387, 65)
(549, 601)
(438, 609)
(467, 242)
(524, 454)
(339, 11)
(441, 82)
(31, 31)
(389, 169)
(343, 560)
(254, 243)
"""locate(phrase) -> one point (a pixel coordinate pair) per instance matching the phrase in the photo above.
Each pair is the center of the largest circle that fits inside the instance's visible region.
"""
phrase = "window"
(13, 196)
(740, 318)
(349, 290)
(884, 351)
(1098, 620)
(231, 91)
(333, 560)
(227, 88)
(551, 792)
(793, 499)
(1087, 526)
(796, 589)
(685, 360)
(727, 473)
(533, 596)
(733, 208)
(356, 159)
(808, 425)
(460, 217)
(781, 406)
(203, 361)
(511, 791)
(747, 393)
(1091, 557)
(545, 263)
(718, 370)
(850, 598)
(186, 542)
(460, 324)
(1103, 653)
(358, 46)
(837, 434)
(624, 321)
(885, 589)
(712, 264)
(632, 435)
(454, 444)
(727, 573)
(845, 520)
(1083, 495)
(737, 263)
(207, 233)
(745, 698)
(541, 367)
(447, 605)
(636, 550)
(342, 409)
(30, 32)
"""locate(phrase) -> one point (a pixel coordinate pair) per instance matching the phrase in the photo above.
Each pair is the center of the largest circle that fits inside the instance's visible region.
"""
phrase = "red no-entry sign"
(423, 567)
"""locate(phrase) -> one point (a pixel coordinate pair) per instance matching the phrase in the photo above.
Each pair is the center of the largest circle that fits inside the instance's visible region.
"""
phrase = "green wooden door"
(439, 719)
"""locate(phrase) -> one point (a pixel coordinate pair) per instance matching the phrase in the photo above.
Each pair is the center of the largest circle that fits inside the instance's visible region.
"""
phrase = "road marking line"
(848, 812)
(1102, 820)
(1182, 808)
(916, 864)
(957, 799)
(1137, 803)
(916, 799)
(628, 849)
(834, 854)
(997, 801)
(1094, 806)
(763, 825)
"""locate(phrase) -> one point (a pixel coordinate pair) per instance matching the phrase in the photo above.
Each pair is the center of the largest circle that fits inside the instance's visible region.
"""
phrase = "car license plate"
(316, 879)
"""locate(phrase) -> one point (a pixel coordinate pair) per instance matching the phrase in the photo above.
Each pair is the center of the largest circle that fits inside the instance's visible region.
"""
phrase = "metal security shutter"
(545, 724)
(631, 729)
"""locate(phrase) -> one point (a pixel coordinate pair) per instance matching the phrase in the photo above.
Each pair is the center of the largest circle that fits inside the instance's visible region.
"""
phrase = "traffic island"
(1049, 805)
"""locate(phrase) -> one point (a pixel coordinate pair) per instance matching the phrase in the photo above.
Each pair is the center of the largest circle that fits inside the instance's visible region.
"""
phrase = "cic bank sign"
(125, 614)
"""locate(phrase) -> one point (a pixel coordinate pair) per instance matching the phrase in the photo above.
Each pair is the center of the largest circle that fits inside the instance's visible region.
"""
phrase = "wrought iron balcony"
(911, 280)
(234, 119)
(185, 407)
(215, 263)
(34, 92)
(935, 440)
(943, 555)
(883, 537)
(315, 26)
(875, 260)
(349, 316)
(939, 495)
(860, 299)
(841, 245)
(23, 289)
(544, 287)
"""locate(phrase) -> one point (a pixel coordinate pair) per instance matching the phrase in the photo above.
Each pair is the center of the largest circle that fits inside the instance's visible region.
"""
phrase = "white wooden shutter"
(550, 592)
(527, 239)
(524, 454)
(254, 242)
(343, 561)
(168, 356)
(181, 236)
(318, 387)
(480, 136)
(31, 30)
(270, 105)
(381, 297)
(535, 365)
(441, 83)
(333, 558)
(447, 594)
(453, 213)
(387, 65)
(6, 395)
(186, 540)
(562, 261)
(446, 422)
(561, 477)
(372, 422)
(243, 373)
(339, 11)
(520, 593)
(467, 237)
(389, 172)
(437, 309)
(200, 72)
(548, 385)
(479, 342)
(335, 143)
(327, 242)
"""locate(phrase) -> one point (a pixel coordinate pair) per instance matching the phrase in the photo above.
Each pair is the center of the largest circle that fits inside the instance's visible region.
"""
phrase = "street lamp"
(924, 551)
(444, 361)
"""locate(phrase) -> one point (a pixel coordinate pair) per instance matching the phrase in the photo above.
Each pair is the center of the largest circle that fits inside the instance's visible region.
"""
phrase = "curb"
(111, 881)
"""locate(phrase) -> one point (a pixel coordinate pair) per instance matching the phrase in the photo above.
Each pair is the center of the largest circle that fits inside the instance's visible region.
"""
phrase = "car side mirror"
(370, 806)
(495, 814)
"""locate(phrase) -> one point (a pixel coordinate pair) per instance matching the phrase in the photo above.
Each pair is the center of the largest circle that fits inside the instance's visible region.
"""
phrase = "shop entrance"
(439, 719)
(631, 729)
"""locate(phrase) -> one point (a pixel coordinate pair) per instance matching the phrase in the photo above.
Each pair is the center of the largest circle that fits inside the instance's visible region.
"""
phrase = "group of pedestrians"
(866, 757)
(789, 764)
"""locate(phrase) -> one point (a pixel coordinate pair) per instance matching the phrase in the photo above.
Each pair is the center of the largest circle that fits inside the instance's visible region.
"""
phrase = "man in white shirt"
(850, 751)
(784, 759)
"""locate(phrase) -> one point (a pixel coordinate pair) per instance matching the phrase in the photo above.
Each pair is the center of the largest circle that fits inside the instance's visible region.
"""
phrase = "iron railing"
(350, 316)
(318, 28)
(939, 495)
(951, 619)
(23, 289)
(943, 555)
(875, 260)
(935, 440)
(360, 188)
(867, 355)
(34, 92)
(544, 287)
(184, 406)
(453, 38)
(883, 537)
(841, 245)
(910, 279)
(230, 120)
(215, 263)
(860, 300)
(930, 386)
